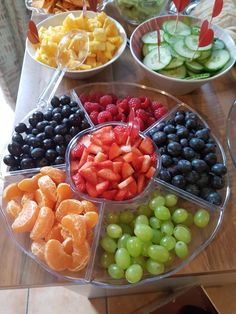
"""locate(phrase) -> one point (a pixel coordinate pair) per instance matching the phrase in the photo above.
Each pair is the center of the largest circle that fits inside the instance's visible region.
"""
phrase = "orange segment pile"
(60, 227)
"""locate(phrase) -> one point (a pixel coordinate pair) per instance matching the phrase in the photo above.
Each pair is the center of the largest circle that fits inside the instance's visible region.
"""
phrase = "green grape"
(157, 236)
(115, 271)
(181, 249)
(108, 244)
(155, 223)
(114, 231)
(168, 242)
(201, 218)
(179, 215)
(107, 259)
(132, 225)
(142, 219)
(154, 267)
(134, 246)
(162, 213)
(122, 258)
(156, 202)
(143, 232)
(134, 273)
(158, 253)
(145, 246)
(126, 217)
(126, 228)
(171, 200)
(170, 259)
(155, 193)
(167, 227)
(122, 242)
(189, 220)
(182, 233)
(112, 218)
(139, 260)
(144, 210)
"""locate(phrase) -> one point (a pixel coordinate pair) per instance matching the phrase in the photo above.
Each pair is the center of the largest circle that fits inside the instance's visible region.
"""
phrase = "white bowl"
(172, 85)
(56, 20)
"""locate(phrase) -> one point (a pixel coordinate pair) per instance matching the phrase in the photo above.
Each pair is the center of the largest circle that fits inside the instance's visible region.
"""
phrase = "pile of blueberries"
(43, 142)
(188, 156)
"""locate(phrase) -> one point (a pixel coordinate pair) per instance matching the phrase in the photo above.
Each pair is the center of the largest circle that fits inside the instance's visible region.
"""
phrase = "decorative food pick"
(84, 8)
(206, 35)
(180, 6)
(93, 5)
(32, 33)
(158, 43)
(217, 8)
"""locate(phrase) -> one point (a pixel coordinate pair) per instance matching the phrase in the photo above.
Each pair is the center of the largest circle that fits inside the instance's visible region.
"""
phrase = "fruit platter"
(95, 194)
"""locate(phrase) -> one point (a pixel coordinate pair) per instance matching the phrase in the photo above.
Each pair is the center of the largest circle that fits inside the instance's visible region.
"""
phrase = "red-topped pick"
(84, 8)
(32, 33)
(217, 8)
(180, 6)
(158, 43)
(206, 35)
(93, 5)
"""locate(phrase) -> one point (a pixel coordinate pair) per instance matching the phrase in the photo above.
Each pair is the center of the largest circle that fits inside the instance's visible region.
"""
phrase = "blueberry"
(15, 149)
(42, 162)
(169, 128)
(209, 148)
(192, 176)
(48, 115)
(65, 100)
(173, 137)
(21, 128)
(27, 163)
(33, 121)
(173, 170)
(59, 139)
(191, 124)
(214, 198)
(199, 165)
(53, 123)
(75, 119)
(57, 117)
(55, 102)
(184, 142)
(61, 129)
(188, 153)
(162, 150)
(35, 142)
(204, 180)
(61, 150)
(26, 149)
(205, 192)
(67, 138)
(165, 175)
(174, 148)
(49, 131)
(59, 160)
(66, 121)
(48, 143)
(184, 166)
(73, 104)
(180, 112)
(191, 115)
(29, 129)
(182, 132)
(179, 181)
(17, 138)
(151, 132)
(41, 125)
(27, 138)
(210, 159)
(10, 160)
(81, 113)
(41, 136)
(203, 134)
(180, 118)
(38, 115)
(193, 189)
(217, 182)
(37, 153)
(175, 160)
(172, 122)
(56, 110)
(197, 144)
(51, 155)
(74, 130)
(160, 126)
(166, 160)
(35, 131)
(219, 169)
(74, 110)
(65, 111)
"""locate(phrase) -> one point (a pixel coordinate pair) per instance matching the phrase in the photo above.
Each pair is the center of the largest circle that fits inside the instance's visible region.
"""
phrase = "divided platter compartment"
(93, 273)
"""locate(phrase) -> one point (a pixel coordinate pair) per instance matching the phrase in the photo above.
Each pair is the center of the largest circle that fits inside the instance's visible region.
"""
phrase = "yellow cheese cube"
(100, 35)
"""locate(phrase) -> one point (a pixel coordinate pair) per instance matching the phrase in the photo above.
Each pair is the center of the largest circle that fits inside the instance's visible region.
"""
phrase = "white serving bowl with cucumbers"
(181, 67)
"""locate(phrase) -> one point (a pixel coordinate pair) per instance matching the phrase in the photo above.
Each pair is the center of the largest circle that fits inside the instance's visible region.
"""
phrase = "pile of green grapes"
(148, 239)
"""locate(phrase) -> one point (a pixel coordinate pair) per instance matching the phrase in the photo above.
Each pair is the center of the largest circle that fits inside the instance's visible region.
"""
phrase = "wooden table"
(216, 264)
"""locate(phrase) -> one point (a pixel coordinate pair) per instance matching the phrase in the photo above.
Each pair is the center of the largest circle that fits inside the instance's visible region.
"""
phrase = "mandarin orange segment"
(65, 234)
(29, 184)
(48, 187)
(88, 206)
(68, 245)
(64, 192)
(70, 206)
(91, 219)
(27, 217)
(56, 257)
(28, 196)
(13, 209)
(57, 175)
(55, 233)
(76, 226)
(12, 192)
(42, 200)
(38, 249)
(80, 257)
(43, 224)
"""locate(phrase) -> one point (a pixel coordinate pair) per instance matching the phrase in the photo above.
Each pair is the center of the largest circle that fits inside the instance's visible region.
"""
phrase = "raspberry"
(77, 151)
(95, 97)
(135, 103)
(114, 98)
(112, 109)
(156, 105)
(106, 100)
(160, 112)
(121, 117)
(94, 117)
(150, 121)
(122, 105)
(92, 106)
(104, 116)
(84, 98)
(145, 102)
(141, 124)
(140, 113)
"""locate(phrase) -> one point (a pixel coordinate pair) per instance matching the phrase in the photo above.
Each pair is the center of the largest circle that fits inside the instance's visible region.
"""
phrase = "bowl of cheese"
(107, 41)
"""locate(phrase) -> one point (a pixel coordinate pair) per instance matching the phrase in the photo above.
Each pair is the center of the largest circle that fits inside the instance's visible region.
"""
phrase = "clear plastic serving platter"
(93, 273)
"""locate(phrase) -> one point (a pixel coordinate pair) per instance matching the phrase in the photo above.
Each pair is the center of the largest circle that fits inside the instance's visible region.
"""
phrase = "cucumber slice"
(147, 48)
(182, 29)
(174, 63)
(195, 30)
(152, 62)
(194, 66)
(218, 44)
(171, 39)
(176, 55)
(192, 43)
(179, 73)
(198, 76)
(204, 56)
(151, 37)
(217, 60)
(184, 51)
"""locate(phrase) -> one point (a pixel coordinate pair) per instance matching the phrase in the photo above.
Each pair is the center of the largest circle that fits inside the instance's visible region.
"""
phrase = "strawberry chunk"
(137, 142)
(96, 140)
(89, 174)
(117, 166)
(137, 162)
(126, 170)
(104, 164)
(132, 187)
(114, 151)
(149, 174)
(141, 182)
(90, 158)
(91, 189)
(100, 157)
(79, 182)
(85, 140)
(146, 163)
(94, 149)
(125, 183)
(83, 158)
(74, 166)
(121, 194)
(108, 174)
(128, 157)
(121, 134)
(77, 151)
(146, 146)
(102, 187)
(136, 151)
(105, 135)
(109, 195)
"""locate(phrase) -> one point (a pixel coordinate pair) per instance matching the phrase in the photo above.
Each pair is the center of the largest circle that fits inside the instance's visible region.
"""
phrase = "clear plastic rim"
(230, 140)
